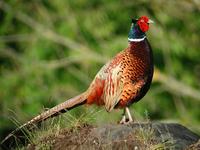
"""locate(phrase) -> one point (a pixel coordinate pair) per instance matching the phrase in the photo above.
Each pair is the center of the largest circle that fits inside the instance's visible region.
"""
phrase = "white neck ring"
(136, 40)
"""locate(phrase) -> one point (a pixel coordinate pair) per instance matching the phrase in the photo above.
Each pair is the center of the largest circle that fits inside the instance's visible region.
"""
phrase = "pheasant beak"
(150, 21)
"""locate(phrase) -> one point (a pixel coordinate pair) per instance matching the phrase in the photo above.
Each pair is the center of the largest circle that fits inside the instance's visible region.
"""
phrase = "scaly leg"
(125, 120)
(130, 119)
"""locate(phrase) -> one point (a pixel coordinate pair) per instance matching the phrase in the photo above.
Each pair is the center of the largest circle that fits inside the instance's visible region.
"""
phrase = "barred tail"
(61, 108)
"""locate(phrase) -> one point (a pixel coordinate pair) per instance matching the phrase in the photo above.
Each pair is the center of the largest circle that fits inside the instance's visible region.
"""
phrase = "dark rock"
(168, 135)
(135, 136)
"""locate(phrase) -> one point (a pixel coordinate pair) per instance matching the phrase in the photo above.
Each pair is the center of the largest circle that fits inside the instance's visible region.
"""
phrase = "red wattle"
(143, 23)
(143, 26)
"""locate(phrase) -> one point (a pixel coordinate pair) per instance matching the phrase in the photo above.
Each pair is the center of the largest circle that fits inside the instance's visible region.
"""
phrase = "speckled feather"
(125, 79)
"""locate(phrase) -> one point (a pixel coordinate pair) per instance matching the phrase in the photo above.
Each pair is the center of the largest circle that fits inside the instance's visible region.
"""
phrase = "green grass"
(44, 137)
(47, 136)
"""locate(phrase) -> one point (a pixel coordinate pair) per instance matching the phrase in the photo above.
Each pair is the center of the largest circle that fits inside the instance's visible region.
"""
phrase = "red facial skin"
(143, 23)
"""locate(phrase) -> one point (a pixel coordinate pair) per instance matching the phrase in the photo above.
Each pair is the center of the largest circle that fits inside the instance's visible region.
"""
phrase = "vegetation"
(51, 50)
(143, 135)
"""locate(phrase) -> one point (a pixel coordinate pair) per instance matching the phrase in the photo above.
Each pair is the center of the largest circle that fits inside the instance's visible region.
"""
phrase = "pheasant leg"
(125, 120)
(130, 119)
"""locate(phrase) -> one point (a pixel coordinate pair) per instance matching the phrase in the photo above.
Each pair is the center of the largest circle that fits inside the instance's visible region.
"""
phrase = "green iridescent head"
(138, 29)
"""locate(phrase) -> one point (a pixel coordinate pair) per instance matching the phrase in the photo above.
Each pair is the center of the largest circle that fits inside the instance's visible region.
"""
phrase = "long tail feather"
(61, 108)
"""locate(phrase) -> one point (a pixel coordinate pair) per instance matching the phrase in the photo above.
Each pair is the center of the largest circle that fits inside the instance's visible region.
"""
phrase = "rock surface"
(136, 136)
(154, 135)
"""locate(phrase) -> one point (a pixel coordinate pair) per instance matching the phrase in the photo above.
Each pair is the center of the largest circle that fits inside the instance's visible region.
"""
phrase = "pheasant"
(119, 83)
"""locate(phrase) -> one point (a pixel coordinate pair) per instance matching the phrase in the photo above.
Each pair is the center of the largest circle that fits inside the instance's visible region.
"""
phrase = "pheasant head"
(138, 29)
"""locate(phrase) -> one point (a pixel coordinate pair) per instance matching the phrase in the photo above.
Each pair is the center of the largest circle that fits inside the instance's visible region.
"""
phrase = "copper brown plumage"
(129, 72)
(121, 82)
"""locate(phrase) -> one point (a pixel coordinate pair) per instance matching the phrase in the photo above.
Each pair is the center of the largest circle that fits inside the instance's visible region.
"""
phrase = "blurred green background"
(51, 50)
